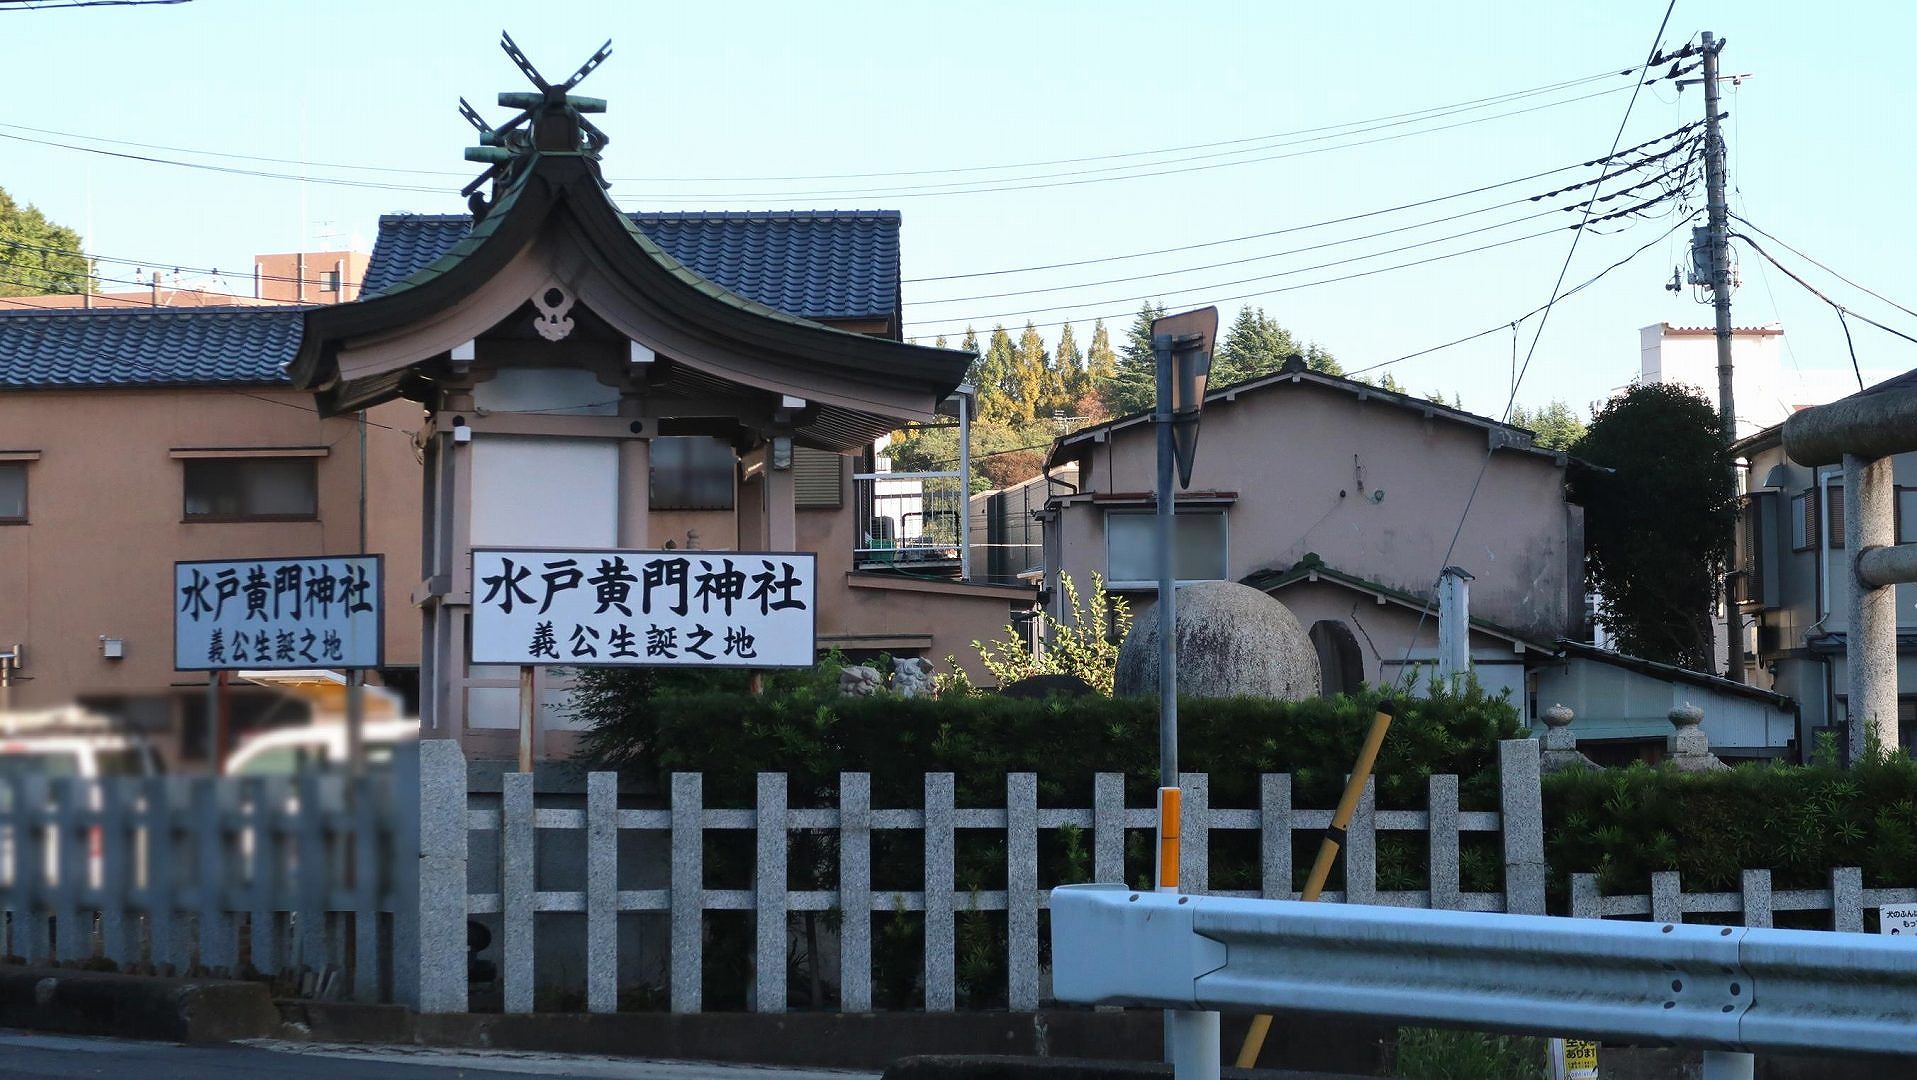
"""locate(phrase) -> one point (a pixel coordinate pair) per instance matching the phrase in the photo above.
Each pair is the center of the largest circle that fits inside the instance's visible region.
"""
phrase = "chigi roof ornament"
(551, 121)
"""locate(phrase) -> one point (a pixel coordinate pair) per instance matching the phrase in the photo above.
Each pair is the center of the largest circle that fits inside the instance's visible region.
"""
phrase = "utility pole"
(1720, 252)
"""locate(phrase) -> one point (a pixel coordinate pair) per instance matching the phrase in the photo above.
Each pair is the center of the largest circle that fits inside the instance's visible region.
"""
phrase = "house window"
(1198, 547)
(13, 493)
(1906, 515)
(1834, 515)
(252, 489)
(1804, 520)
(692, 472)
(329, 281)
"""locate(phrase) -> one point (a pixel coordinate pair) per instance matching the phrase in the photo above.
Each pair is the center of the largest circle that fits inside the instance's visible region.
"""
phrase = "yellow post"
(1169, 803)
(1334, 842)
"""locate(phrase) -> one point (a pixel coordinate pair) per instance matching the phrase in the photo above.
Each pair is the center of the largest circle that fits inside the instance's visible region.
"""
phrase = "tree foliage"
(1084, 644)
(36, 255)
(1658, 517)
(1556, 426)
(1256, 345)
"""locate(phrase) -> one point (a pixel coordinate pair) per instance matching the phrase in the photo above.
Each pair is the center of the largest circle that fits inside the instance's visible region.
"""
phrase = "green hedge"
(658, 723)
(801, 726)
(1797, 821)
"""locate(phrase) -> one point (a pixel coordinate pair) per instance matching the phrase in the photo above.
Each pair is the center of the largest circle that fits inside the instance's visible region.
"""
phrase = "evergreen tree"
(1069, 380)
(37, 256)
(1320, 360)
(1254, 345)
(939, 342)
(1030, 377)
(1101, 366)
(1134, 385)
(997, 399)
(1555, 425)
(1658, 518)
(970, 344)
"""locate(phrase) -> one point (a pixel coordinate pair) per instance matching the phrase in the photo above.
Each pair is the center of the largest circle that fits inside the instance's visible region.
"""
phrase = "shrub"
(655, 723)
(1798, 821)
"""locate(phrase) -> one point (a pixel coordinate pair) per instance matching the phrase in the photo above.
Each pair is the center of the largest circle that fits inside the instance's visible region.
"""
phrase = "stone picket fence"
(515, 826)
(439, 887)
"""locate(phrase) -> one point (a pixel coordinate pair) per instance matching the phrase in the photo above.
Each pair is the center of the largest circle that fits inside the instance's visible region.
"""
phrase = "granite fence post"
(941, 936)
(769, 896)
(1021, 891)
(602, 892)
(1274, 837)
(1442, 833)
(855, 892)
(434, 914)
(1521, 810)
(518, 869)
(688, 891)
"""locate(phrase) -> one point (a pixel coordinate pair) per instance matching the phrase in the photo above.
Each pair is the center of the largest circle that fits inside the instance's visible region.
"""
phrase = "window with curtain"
(251, 489)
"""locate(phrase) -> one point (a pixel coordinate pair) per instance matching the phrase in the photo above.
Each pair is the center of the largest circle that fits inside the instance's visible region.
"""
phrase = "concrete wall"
(105, 524)
(1605, 696)
(1395, 643)
(1373, 488)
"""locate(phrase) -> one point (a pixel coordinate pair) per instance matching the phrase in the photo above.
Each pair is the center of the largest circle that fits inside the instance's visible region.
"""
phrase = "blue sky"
(759, 90)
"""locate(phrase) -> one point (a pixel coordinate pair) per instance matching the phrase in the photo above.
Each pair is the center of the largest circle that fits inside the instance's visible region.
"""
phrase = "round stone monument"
(1233, 641)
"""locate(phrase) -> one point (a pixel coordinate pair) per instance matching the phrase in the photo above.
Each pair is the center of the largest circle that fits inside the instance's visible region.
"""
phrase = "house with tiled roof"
(135, 438)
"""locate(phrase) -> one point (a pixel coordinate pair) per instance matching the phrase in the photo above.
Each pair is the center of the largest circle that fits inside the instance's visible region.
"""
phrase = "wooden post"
(528, 715)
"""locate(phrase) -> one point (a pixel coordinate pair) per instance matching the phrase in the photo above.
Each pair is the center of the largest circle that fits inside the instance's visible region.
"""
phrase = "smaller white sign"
(597, 608)
(1897, 921)
(277, 614)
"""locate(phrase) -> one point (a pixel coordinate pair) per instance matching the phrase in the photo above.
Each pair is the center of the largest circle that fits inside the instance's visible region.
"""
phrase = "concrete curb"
(829, 1040)
(983, 1067)
(135, 1006)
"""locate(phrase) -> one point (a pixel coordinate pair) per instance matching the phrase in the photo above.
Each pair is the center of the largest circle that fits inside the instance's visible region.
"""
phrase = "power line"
(1652, 57)
(953, 322)
(1513, 324)
(1844, 314)
(1480, 189)
(1071, 178)
(1461, 106)
(1050, 180)
(1547, 212)
(1824, 268)
(53, 5)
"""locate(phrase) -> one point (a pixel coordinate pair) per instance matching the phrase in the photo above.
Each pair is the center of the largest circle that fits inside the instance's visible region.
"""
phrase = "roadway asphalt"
(29, 1055)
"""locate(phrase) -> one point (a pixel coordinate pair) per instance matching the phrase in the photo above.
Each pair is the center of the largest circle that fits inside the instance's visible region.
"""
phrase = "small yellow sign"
(1580, 1060)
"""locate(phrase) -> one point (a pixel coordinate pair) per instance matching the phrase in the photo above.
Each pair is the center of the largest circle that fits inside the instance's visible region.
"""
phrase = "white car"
(71, 742)
(320, 745)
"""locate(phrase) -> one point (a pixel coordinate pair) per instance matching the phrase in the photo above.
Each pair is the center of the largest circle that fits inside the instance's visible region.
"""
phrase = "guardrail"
(1720, 987)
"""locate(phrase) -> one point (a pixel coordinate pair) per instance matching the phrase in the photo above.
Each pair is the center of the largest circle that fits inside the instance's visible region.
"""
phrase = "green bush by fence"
(1796, 821)
(801, 726)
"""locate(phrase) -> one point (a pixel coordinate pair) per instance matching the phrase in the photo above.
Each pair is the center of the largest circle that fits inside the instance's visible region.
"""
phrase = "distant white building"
(1769, 385)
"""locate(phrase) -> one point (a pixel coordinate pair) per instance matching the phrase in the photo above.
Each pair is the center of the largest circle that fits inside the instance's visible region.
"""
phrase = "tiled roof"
(824, 264)
(147, 347)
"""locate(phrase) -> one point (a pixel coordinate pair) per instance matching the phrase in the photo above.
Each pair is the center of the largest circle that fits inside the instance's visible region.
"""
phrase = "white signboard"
(277, 614)
(1897, 921)
(578, 608)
